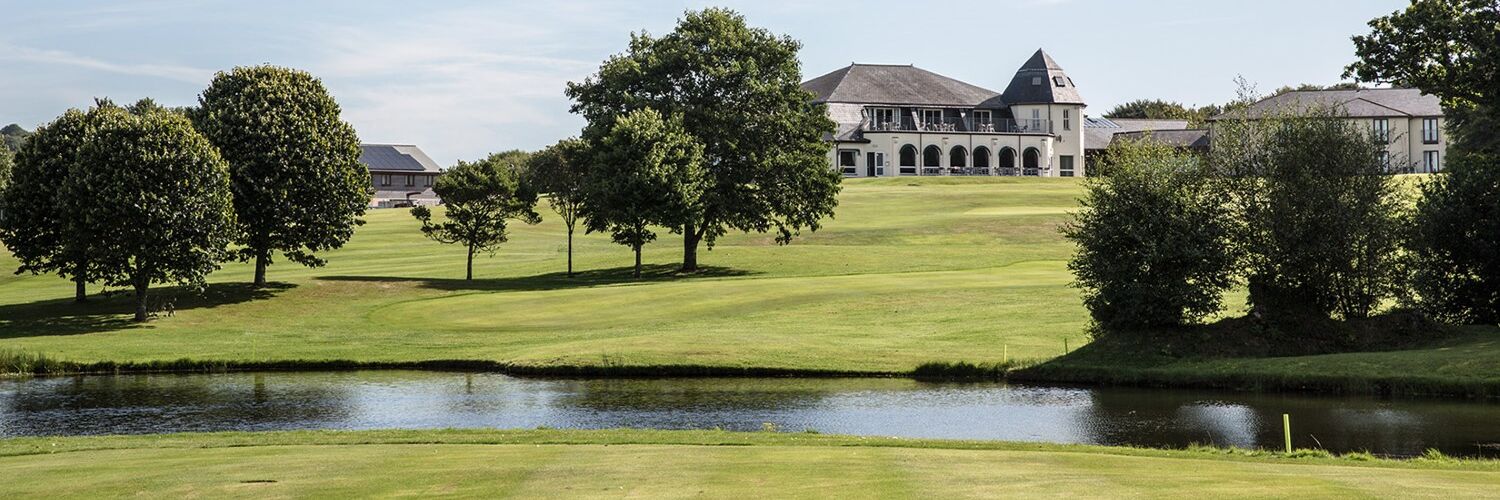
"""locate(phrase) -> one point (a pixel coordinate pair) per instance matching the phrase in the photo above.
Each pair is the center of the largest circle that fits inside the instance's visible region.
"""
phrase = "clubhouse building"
(898, 120)
(1408, 122)
(401, 175)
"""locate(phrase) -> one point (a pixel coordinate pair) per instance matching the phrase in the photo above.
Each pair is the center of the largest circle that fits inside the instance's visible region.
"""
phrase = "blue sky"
(461, 79)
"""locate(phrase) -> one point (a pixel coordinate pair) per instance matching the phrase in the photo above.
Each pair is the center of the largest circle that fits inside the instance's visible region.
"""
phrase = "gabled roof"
(1189, 138)
(1098, 133)
(1041, 81)
(396, 158)
(898, 85)
(1361, 103)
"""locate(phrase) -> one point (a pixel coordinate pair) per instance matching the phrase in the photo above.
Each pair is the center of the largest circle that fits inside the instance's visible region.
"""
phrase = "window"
(1065, 166)
(983, 118)
(847, 161)
(884, 118)
(958, 157)
(1057, 80)
(932, 157)
(1382, 129)
(1007, 158)
(908, 159)
(1430, 162)
(1030, 161)
(982, 157)
(1429, 131)
(411, 180)
(1385, 159)
(1036, 80)
(385, 179)
(1067, 119)
(426, 181)
(932, 117)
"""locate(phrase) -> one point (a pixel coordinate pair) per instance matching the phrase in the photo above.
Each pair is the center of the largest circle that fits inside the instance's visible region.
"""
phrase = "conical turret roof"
(1041, 81)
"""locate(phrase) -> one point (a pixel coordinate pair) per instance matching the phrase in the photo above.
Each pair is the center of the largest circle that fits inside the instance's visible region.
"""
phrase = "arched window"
(1007, 158)
(981, 157)
(1029, 161)
(908, 156)
(932, 157)
(958, 157)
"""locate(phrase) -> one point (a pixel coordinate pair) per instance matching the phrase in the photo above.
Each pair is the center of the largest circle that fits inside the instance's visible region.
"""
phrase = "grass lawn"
(910, 271)
(657, 464)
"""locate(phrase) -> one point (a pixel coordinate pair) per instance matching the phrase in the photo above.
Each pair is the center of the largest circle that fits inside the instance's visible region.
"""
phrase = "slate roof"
(1041, 81)
(1186, 138)
(1362, 103)
(1099, 132)
(897, 85)
(396, 158)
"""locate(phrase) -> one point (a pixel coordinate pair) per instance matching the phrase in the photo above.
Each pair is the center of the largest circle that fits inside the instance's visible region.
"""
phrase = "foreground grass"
(655, 464)
(910, 271)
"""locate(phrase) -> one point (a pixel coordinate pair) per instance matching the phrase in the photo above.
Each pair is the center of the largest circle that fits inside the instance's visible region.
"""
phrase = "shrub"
(1152, 240)
(1455, 242)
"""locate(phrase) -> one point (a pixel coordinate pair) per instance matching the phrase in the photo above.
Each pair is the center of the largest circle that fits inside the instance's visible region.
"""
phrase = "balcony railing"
(982, 171)
(965, 125)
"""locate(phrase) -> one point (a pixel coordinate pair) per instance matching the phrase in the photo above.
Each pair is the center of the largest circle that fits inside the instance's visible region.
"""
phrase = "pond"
(129, 404)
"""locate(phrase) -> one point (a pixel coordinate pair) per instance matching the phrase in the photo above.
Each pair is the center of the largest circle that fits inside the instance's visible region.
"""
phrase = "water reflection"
(886, 407)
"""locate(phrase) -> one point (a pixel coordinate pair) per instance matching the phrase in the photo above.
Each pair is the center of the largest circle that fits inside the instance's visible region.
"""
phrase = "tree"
(1447, 48)
(7, 159)
(560, 172)
(159, 202)
(1307, 87)
(1153, 240)
(299, 187)
(1154, 109)
(480, 198)
(737, 90)
(1455, 243)
(12, 137)
(43, 222)
(1322, 222)
(647, 171)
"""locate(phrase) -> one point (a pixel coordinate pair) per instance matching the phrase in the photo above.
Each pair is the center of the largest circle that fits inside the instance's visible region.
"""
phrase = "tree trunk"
(80, 289)
(262, 259)
(570, 250)
(140, 299)
(637, 261)
(469, 269)
(689, 249)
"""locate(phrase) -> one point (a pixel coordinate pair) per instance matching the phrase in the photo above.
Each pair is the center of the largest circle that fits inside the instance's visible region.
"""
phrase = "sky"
(463, 79)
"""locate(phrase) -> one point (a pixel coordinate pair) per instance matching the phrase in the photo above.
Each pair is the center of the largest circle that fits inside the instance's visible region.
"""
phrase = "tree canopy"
(7, 160)
(646, 171)
(43, 213)
(1447, 48)
(480, 198)
(1157, 109)
(299, 187)
(559, 171)
(158, 201)
(12, 136)
(737, 91)
(1153, 240)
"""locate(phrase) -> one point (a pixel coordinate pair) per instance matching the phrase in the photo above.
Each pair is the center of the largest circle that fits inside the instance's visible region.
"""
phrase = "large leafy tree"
(7, 162)
(738, 92)
(480, 199)
(1322, 222)
(1455, 243)
(559, 172)
(299, 187)
(647, 172)
(1153, 240)
(1447, 48)
(159, 202)
(43, 221)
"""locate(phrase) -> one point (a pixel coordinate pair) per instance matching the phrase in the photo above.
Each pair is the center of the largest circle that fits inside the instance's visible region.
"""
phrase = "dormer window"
(1059, 81)
(1036, 80)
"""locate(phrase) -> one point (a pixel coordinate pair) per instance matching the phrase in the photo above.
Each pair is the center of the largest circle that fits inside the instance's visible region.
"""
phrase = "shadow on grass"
(114, 310)
(555, 281)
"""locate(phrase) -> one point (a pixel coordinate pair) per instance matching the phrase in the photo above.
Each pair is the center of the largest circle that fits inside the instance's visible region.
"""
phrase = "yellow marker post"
(1286, 430)
(1006, 354)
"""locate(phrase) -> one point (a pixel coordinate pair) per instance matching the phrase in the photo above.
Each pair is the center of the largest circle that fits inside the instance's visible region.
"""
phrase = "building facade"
(1408, 122)
(903, 120)
(400, 175)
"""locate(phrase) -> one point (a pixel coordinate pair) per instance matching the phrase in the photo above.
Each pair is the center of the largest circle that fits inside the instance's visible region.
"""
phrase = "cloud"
(168, 71)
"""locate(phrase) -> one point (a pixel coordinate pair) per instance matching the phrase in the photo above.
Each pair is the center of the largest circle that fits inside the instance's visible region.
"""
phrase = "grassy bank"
(1464, 363)
(549, 463)
(910, 271)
